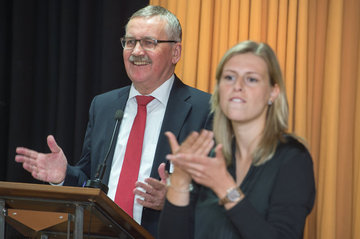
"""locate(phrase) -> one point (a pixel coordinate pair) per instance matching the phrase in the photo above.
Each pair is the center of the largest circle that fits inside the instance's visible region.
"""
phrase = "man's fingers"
(27, 153)
(26, 161)
(148, 200)
(156, 184)
(144, 186)
(20, 159)
(152, 186)
(21, 150)
(148, 203)
(139, 193)
(28, 167)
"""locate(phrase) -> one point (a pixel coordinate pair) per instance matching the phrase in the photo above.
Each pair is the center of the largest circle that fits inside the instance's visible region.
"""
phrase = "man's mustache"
(133, 58)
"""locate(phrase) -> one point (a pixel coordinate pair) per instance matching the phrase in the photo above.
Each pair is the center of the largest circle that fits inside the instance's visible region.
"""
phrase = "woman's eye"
(252, 80)
(229, 77)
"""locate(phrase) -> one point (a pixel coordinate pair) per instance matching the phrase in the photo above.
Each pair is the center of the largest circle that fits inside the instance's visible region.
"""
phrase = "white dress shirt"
(155, 115)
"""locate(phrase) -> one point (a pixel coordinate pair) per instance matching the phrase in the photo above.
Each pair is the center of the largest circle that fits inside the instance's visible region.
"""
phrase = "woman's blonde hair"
(277, 113)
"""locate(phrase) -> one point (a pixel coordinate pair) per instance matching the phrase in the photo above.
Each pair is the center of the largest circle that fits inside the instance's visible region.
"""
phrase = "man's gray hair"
(173, 27)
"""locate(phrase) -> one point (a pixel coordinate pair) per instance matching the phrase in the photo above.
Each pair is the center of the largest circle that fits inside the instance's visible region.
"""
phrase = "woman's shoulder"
(292, 142)
(291, 148)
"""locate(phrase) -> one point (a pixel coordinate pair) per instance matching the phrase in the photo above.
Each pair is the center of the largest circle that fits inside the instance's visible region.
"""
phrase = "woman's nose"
(239, 84)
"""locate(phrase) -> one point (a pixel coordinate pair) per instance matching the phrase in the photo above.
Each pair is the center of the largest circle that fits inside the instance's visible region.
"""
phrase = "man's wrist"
(57, 184)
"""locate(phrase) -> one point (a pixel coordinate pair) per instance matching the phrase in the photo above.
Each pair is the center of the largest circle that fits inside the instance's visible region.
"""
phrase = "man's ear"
(176, 53)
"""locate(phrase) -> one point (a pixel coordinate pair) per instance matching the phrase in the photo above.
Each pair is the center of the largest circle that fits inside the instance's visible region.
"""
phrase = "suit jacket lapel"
(176, 111)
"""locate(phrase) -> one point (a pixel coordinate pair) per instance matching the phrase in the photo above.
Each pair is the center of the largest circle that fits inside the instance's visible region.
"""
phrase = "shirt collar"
(161, 93)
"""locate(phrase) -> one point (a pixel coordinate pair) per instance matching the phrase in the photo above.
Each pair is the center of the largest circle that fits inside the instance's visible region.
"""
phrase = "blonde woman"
(259, 181)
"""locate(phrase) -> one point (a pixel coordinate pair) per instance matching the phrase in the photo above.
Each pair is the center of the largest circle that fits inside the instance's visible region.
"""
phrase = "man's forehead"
(153, 21)
(146, 26)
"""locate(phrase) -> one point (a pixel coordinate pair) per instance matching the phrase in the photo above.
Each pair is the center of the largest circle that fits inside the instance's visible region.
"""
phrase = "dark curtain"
(55, 56)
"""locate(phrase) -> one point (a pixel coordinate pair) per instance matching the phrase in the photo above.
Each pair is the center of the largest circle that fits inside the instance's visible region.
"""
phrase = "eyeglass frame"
(156, 41)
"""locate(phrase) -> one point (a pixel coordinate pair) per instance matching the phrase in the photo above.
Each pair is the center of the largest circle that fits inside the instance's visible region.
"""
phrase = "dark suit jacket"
(187, 110)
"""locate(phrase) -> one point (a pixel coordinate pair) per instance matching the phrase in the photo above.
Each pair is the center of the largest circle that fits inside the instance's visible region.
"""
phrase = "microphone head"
(119, 114)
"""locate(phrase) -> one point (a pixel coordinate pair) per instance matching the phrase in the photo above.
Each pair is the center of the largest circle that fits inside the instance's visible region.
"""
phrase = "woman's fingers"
(174, 145)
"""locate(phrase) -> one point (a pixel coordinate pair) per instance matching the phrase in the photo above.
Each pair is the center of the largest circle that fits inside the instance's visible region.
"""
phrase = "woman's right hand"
(197, 144)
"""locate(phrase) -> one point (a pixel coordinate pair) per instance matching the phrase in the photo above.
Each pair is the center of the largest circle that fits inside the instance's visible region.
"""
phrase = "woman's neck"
(247, 138)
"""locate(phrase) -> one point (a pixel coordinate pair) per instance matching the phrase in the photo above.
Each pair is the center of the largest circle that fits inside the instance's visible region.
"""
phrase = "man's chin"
(139, 78)
(138, 69)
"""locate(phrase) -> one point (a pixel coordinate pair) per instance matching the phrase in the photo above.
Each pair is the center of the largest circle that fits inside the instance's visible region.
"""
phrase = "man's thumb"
(54, 148)
(162, 172)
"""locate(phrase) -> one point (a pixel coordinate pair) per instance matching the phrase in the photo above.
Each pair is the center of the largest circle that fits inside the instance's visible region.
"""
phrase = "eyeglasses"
(129, 43)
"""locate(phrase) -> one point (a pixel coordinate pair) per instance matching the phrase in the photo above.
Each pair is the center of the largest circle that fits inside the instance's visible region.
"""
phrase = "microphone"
(97, 181)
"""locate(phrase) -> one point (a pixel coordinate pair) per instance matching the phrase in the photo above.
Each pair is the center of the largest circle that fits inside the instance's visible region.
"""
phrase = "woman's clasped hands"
(191, 160)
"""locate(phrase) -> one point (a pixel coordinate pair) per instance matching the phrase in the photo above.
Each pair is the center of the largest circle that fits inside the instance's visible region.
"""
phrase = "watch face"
(233, 195)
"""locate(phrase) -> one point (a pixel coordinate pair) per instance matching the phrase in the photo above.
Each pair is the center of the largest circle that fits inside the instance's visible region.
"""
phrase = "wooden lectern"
(45, 211)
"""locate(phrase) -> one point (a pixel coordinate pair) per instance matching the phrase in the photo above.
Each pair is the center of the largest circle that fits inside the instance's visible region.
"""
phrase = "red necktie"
(130, 169)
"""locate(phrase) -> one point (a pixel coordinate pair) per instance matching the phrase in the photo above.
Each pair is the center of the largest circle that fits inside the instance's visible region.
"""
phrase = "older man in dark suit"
(152, 47)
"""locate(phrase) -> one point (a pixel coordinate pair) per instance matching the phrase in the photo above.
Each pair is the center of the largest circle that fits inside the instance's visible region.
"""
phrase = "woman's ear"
(274, 92)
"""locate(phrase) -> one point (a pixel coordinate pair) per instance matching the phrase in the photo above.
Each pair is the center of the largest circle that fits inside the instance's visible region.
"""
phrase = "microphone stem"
(103, 165)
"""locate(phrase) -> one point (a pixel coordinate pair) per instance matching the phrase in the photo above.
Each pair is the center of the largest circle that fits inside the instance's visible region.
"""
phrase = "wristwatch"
(232, 195)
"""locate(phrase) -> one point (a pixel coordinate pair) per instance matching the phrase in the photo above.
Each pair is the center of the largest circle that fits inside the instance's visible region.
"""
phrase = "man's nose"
(138, 50)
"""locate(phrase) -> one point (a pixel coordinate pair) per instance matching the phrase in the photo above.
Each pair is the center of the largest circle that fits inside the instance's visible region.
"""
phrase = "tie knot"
(143, 100)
